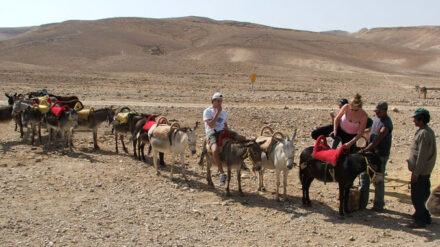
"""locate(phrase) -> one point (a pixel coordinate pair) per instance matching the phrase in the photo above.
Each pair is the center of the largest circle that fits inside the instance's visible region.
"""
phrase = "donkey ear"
(197, 125)
(294, 135)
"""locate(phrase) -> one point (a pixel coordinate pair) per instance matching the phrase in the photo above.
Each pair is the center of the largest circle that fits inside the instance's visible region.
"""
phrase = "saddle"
(151, 121)
(123, 117)
(267, 138)
(85, 113)
(163, 130)
(58, 108)
(323, 152)
(223, 138)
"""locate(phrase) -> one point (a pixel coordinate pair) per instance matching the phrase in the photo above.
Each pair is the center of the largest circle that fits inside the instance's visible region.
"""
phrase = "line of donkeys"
(62, 115)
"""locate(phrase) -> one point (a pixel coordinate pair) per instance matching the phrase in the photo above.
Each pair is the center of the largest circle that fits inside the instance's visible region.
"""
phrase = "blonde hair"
(356, 101)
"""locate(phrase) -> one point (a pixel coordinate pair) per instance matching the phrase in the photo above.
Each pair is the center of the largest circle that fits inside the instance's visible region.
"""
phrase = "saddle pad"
(151, 120)
(322, 151)
(267, 144)
(58, 108)
(162, 131)
(123, 117)
(42, 108)
(84, 113)
(44, 100)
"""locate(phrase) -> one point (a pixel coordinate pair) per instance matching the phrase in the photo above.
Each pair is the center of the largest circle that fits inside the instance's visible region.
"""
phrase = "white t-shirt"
(208, 114)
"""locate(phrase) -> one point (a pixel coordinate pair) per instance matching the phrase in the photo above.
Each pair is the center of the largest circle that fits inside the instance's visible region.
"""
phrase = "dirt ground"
(53, 197)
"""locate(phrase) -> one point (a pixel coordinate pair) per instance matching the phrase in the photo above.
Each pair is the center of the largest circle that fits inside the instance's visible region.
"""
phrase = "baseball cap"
(420, 111)
(381, 106)
(217, 96)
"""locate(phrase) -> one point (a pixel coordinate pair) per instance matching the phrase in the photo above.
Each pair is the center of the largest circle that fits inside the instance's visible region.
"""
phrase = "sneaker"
(223, 177)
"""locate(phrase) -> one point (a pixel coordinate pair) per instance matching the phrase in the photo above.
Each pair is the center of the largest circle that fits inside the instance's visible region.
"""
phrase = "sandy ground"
(53, 197)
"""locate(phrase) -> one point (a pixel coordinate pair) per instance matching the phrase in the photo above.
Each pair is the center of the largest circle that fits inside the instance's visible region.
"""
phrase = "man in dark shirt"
(380, 143)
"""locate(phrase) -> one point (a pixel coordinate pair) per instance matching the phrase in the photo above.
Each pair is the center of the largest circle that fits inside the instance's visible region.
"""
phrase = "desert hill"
(195, 43)
(423, 38)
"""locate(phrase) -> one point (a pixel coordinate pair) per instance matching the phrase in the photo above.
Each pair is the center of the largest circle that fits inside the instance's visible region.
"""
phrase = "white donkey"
(179, 140)
(281, 158)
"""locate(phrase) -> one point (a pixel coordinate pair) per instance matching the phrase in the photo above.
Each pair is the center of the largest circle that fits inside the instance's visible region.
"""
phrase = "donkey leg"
(39, 133)
(116, 142)
(260, 180)
(341, 199)
(346, 200)
(277, 172)
(155, 161)
(208, 172)
(172, 166)
(123, 144)
(239, 182)
(134, 141)
(95, 139)
(285, 173)
(33, 133)
(228, 193)
(182, 161)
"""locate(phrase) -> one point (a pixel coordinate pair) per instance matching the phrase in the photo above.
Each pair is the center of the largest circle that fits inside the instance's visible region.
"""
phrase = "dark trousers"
(420, 192)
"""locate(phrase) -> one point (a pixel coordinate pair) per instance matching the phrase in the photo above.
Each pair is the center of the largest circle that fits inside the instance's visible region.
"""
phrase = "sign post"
(253, 79)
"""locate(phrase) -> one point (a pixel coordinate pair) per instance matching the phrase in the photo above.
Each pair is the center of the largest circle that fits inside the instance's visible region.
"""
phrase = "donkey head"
(110, 115)
(10, 99)
(289, 149)
(192, 138)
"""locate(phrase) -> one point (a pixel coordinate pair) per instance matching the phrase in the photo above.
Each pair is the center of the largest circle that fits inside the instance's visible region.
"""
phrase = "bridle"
(372, 170)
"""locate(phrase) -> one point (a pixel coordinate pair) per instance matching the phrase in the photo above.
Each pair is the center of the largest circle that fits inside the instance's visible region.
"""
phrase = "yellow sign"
(253, 77)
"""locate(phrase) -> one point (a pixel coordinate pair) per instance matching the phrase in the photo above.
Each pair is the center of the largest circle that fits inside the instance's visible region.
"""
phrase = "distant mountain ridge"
(197, 43)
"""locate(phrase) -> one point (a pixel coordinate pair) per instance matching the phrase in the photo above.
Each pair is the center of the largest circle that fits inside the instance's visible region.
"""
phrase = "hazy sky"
(312, 15)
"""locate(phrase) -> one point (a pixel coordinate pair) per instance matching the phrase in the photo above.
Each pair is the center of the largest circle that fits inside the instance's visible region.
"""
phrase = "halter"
(371, 169)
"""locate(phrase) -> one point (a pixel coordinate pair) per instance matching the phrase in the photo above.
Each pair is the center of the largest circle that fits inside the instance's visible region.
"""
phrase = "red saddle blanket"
(58, 108)
(223, 134)
(151, 120)
(323, 152)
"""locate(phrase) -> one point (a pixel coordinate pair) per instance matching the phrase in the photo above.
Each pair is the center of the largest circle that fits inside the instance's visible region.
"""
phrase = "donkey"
(140, 138)
(348, 167)
(433, 203)
(180, 139)
(421, 90)
(126, 129)
(17, 118)
(232, 157)
(94, 121)
(280, 158)
(64, 124)
(29, 115)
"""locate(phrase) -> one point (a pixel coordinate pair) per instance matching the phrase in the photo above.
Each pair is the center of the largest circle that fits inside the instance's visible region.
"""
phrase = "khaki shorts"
(214, 137)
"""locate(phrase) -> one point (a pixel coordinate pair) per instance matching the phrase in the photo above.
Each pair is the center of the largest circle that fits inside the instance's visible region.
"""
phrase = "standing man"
(421, 163)
(216, 121)
(380, 143)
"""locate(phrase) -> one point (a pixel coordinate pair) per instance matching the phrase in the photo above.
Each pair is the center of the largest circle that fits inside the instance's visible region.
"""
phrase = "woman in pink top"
(349, 124)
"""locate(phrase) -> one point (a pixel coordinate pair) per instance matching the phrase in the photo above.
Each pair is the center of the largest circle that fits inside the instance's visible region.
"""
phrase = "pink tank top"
(349, 127)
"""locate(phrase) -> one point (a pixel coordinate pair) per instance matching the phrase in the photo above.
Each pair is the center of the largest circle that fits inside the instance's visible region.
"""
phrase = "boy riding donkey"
(216, 125)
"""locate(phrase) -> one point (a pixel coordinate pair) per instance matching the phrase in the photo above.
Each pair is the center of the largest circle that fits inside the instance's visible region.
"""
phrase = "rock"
(352, 238)
(395, 109)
